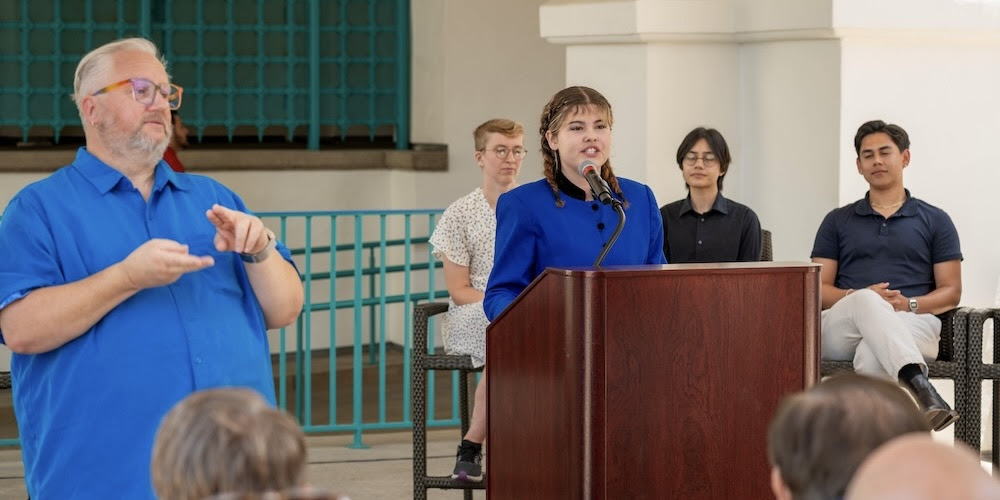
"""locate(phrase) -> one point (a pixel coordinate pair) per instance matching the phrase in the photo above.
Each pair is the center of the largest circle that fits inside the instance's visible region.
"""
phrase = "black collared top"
(729, 232)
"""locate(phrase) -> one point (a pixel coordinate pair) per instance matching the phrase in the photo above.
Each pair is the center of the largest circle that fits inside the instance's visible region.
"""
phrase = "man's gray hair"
(97, 63)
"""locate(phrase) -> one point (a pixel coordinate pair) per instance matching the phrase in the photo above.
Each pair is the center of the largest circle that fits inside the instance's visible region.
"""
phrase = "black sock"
(909, 371)
(469, 444)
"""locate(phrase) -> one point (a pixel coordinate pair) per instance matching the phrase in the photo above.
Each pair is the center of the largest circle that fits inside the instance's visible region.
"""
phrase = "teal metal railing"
(362, 271)
(367, 285)
(322, 69)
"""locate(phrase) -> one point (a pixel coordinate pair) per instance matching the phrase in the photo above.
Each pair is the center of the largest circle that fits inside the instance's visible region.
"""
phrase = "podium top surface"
(714, 267)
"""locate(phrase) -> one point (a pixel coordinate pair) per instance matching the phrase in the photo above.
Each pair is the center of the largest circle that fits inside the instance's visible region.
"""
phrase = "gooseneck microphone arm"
(617, 205)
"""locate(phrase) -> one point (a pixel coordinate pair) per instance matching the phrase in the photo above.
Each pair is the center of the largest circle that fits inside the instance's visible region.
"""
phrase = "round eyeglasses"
(708, 160)
(144, 91)
(502, 152)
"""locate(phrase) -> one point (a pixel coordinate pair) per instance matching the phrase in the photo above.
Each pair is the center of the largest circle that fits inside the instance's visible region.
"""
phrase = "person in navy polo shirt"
(890, 263)
(124, 287)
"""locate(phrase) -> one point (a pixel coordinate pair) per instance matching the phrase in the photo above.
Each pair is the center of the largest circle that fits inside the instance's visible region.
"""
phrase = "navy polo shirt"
(729, 232)
(900, 250)
(88, 410)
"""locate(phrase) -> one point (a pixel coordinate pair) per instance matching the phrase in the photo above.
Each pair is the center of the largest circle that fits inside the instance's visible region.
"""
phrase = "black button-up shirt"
(729, 232)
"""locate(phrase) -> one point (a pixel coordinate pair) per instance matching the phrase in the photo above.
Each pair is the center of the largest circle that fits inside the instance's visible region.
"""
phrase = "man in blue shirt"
(125, 286)
(890, 263)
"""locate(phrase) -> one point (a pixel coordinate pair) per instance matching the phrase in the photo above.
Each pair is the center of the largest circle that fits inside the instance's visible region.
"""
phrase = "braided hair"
(566, 103)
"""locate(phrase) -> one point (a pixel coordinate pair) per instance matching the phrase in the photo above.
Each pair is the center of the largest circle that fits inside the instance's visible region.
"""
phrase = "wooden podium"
(651, 382)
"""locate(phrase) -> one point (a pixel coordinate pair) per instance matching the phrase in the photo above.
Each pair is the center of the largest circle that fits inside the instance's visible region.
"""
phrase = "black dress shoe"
(939, 415)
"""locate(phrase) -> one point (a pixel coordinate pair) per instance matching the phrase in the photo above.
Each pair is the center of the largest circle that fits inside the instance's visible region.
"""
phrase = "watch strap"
(253, 258)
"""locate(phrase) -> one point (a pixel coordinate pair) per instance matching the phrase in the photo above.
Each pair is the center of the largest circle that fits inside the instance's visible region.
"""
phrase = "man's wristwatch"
(913, 305)
(260, 256)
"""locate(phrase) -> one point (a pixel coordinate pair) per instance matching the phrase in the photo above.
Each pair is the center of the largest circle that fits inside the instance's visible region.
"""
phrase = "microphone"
(598, 187)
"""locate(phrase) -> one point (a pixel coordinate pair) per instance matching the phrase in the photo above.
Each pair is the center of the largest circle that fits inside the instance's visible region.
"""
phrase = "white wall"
(790, 123)
(945, 96)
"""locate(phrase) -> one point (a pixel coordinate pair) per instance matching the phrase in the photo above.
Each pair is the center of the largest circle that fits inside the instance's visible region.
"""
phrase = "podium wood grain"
(647, 382)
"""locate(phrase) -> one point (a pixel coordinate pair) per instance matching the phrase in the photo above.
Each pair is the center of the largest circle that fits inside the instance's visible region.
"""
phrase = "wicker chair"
(951, 363)
(980, 371)
(422, 363)
(766, 252)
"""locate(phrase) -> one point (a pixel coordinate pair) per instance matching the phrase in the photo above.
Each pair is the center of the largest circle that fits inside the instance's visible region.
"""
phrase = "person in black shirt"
(705, 226)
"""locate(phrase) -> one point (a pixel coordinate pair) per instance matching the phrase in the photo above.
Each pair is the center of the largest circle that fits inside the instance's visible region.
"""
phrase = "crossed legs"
(881, 341)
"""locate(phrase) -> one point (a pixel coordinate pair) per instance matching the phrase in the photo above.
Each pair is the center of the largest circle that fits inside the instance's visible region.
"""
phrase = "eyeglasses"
(144, 91)
(502, 152)
(709, 160)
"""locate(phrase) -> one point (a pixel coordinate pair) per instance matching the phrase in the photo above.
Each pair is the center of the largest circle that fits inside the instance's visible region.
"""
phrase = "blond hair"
(503, 126)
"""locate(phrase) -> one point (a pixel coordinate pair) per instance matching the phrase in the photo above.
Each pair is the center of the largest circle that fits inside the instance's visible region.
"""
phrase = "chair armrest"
(947, 343)
(421, 318)
(954, 344)
(976, 322)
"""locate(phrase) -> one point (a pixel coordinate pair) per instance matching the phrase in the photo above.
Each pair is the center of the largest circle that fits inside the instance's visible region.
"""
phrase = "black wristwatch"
(253, 258)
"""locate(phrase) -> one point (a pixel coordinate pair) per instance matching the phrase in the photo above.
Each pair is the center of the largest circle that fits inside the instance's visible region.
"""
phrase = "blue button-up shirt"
(87, 411)
(533, 233)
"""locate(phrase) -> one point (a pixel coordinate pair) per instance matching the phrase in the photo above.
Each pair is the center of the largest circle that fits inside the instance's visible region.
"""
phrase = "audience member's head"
(710, 142)
(179, 136)
(502, 126)
(917, 468)
(819, 437)
(226, 440)
(499, 153)
(291, 494)
(899, 136)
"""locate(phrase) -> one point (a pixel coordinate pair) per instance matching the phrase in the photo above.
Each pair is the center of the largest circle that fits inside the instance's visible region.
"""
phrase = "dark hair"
(819, 437)
(716, 143)
(565, 103)
(895, 132)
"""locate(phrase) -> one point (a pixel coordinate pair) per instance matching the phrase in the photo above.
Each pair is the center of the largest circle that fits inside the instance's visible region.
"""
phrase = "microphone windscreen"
(584, 166)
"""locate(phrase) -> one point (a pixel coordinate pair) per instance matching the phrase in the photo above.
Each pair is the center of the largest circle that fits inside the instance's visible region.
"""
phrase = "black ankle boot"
(939, 415)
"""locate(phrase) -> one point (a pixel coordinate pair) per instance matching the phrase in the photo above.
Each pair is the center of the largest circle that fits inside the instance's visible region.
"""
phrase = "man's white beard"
(135, 144)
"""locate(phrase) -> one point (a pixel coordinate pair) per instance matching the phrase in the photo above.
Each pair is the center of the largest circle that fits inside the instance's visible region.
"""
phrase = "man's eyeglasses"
(709, 160)
(144, 91)
(502, 152)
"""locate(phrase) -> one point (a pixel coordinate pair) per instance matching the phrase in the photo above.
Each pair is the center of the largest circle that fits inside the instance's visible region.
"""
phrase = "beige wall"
(475, 60)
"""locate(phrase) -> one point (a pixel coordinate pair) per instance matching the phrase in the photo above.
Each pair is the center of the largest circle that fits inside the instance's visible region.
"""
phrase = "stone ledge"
(432, 158)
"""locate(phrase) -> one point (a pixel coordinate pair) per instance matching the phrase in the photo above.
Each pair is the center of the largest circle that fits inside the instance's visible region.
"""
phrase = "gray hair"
(226, 439)
(97, 63)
